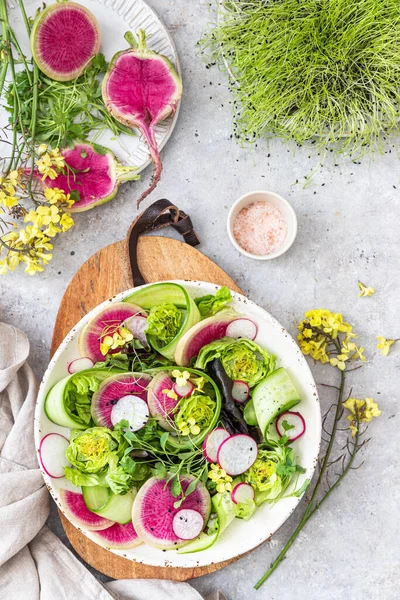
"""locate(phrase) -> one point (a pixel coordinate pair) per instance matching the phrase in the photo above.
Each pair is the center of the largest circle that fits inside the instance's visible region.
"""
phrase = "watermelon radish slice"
(213, 442)
(118, 537)
(153, 511)
(96, 175)
(142, 88)
(64, 39)
(112, 390)
(187, 524)
(242, 328)
(52, 454)
(162, 406)
(106, 322)
(242, 492)
(207, 331)
(132, 409)
(80, 364)
(76, 510)
(237, 453)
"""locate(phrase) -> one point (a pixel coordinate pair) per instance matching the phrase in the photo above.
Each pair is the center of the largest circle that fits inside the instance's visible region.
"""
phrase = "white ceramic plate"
(115, 18)
(241, 536)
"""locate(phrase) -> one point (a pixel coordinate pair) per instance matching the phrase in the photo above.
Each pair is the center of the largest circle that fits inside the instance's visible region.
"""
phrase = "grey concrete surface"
(348, 230)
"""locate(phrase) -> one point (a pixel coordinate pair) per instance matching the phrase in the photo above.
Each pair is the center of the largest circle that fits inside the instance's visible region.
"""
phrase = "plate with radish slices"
(178, 424)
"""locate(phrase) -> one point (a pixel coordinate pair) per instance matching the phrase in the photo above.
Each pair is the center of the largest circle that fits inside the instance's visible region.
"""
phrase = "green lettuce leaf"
(95, 449)
(78, 478)
(245, 510)
(78, 395)
(164, 322)
(209, 305)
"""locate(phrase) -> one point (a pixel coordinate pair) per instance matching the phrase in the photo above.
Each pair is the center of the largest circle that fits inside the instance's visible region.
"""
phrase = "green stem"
(309, 510)
(6, 38)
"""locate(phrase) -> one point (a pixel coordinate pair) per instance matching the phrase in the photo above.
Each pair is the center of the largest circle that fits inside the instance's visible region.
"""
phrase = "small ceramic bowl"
(280, 203)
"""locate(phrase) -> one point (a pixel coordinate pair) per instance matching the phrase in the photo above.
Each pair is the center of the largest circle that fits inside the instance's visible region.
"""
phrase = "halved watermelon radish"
(209, 330)
(118, 537)
(93, 171)
(106, 322)
(75, 509)
(162, 406)
(153, 511)
(113, 389)
(64, 39)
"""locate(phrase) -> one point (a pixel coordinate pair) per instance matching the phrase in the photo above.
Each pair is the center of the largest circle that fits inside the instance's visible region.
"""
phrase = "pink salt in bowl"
(262, 225)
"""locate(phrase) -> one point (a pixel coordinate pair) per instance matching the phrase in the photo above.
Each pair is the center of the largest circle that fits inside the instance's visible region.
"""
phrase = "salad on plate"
(180, 423)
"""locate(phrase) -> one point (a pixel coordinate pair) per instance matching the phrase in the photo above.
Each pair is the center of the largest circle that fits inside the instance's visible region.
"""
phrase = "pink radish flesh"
(52, 454)
(240, 391)
(76, 510)
(137, 326)
(295, 425)
(237, 453)
(154, 511)
(80, 364)
(112, 390)
(132, 409)
(242, 492)
(160, 404)
(242, 328)
(213, 442)
(187, 524)
(119, 537)
(184, 391)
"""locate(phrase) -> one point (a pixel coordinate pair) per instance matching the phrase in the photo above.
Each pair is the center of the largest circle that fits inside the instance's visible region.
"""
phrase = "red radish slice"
(296, 423)
(153, 511)
(242, 328)
(242, 492)
(240, 391)
(131, 409)
(52, 454)
(119, 537)
(184, 391)
(237, 453)
(113, 389)
(76, 510)
(187, 524)
(80, 364)
(137, 326)
(213, 442)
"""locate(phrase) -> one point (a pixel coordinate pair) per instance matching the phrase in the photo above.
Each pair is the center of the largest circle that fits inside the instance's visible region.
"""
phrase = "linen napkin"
(34, 564)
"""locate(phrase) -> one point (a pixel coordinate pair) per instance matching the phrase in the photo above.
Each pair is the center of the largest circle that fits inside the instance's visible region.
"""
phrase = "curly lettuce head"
(242, 359)
(195, 414)
(94, 449)
(164, 322)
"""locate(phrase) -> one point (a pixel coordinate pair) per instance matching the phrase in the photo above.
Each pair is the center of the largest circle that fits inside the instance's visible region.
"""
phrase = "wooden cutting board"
(102, 276)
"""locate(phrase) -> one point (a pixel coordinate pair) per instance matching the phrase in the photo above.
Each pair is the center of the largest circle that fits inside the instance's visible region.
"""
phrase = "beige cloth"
(34, 564)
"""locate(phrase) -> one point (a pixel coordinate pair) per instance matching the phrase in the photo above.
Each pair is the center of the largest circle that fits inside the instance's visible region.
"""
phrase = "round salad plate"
(115, 18)
(241, 536)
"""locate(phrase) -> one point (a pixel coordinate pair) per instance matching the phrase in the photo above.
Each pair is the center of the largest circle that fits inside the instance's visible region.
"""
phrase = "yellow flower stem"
(310, 509)
(6, 39)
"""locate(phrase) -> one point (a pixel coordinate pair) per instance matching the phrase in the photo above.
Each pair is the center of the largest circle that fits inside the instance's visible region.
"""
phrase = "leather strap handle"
(158, 215)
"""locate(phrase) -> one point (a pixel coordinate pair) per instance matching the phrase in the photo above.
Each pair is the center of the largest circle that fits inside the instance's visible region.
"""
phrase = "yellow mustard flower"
(42, 148)
(364, 290)
(67, 222)
(361, 411)
(220, 478)
(181, 377)
(170, 393)
(385, 344)
(114, 340)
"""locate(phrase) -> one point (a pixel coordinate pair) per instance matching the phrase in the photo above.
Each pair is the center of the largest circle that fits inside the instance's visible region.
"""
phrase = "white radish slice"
(187, 524)
(80, 364)
(213, 442)
(132, 409)
(137, 325)
(237, 453)
(295, 425)
(184, 391)
(52, 454)
(242, 492)
(242, 328)
(240, 391)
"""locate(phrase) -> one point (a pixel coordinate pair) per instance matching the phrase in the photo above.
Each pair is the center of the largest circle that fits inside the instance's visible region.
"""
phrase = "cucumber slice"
(225, 509)
(249, 414)
(202, 542)
(95, 496)
(119, 507)
(55, 403)
(272, 396)
(171, 293)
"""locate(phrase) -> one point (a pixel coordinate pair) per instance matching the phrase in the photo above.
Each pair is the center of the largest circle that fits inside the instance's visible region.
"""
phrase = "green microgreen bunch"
(325, 70)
